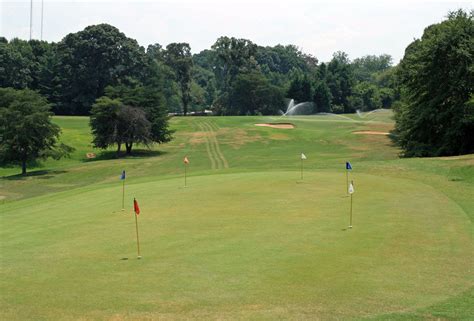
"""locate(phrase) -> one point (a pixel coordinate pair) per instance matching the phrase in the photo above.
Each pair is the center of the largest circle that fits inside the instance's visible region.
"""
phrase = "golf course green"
(247, 238)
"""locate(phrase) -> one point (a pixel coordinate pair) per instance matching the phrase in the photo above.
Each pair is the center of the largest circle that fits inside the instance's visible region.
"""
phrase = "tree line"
(233, 77)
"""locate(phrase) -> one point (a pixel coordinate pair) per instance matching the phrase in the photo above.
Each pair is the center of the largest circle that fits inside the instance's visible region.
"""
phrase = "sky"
(318, 27)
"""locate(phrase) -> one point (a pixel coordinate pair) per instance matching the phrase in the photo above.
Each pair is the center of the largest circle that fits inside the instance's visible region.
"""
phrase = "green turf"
(247, 239)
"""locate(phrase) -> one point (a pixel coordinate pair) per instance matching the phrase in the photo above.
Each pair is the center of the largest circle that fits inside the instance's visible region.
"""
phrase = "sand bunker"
(370, 132)
(277, 125)
(90, 155)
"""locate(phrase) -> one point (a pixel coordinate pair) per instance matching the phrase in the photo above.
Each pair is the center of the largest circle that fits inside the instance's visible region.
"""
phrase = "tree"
(178, 57)
(26, 131)
(252, 94)
(322, 97)
(340, 80)
(365, 97)
(367, 67)
(114, 123)
(92, 59)
(437, 77)
(300, 89)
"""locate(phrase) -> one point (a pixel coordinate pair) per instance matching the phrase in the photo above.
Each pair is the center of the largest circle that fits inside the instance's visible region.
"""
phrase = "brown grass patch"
(198, 138)
(236, 137)
(277, 125)
(370, 132)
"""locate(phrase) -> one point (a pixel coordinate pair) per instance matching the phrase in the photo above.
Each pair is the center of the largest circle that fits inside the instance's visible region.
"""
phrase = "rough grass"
(247, 239)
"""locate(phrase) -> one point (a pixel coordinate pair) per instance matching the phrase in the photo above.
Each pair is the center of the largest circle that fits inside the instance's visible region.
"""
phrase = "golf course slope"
(248, 238)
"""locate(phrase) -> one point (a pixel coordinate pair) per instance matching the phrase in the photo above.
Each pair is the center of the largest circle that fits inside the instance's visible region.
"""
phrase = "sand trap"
(277, 125)
(90, 155)
(370, 132)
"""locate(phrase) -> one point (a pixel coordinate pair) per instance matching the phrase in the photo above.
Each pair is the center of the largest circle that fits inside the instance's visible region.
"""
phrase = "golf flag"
(137, 211)
(348, 165)
(351, 188)
(135, 207)
(186, 160)
(303, 156)
(122, 177)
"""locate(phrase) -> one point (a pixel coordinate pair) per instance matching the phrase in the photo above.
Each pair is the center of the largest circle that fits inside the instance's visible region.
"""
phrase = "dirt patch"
(277, 125)
(370, 132)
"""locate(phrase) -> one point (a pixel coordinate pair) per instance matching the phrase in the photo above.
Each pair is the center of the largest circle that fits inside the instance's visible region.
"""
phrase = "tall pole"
(350, 223)
(185, 165)
(138, 240)
(347, 181)
(123, 195)
(42, 12)
(31, 19)
(301, 168)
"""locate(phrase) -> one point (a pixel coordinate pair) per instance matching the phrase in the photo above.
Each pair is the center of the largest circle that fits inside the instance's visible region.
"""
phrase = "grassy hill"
(247, 239)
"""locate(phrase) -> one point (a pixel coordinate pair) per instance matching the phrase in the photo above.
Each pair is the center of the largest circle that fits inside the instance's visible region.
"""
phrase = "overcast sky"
(318, 27)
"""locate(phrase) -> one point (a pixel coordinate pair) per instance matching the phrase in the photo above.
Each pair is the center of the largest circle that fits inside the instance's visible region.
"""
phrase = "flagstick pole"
(138, 240)
(185, 174)
(123, 195)
(350, 225)
(347, 181)
(301, 168)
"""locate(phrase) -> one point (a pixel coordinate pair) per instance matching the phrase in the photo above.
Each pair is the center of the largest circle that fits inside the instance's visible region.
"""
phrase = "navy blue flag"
(348, 165)
(123, 175)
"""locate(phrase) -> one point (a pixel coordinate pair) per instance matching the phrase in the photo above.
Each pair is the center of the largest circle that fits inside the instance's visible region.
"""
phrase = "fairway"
(247, 239)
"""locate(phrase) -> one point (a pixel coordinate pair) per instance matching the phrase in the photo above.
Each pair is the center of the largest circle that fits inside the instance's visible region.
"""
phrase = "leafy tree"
(115, 123)
(366, 68)
(15, 64)
(252, 94)
(178, 57)
(232, 56)
(322, 97)
(365, 97)
(26, 131)
(437, 75)
(92, 59)
(340, 80)
(300, 89)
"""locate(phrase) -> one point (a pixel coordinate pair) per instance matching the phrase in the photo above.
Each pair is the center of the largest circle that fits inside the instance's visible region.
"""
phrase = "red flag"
(135, 207)
(186, 160)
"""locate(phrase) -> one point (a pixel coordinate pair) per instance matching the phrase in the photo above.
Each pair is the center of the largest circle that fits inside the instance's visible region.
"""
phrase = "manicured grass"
(247, 239)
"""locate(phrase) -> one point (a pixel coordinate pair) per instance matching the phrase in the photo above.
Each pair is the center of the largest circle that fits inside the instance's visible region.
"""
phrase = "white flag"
(351, 189)
(303, 156)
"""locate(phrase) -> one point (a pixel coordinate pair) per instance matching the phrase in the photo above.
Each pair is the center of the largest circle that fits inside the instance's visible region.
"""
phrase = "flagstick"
(123, 195)
(301, 168)
(185, 165)
(138, 240)
(350, 225)
(347, 181)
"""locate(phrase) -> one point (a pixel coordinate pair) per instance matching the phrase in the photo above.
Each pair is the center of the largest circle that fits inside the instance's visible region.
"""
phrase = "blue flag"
(123, 175)
(348, 165)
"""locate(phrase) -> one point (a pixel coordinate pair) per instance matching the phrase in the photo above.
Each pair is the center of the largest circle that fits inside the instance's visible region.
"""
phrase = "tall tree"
(26, 131)
(92, 59)
(114, 123)
(178, 57)
(253, 94)
(437, 75)
(340, 80)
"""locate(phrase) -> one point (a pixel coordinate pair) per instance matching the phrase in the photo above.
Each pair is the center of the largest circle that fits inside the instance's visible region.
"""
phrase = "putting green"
(235, 246)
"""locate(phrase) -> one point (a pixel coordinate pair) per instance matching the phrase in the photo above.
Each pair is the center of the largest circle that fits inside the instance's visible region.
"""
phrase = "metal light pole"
(31, 19)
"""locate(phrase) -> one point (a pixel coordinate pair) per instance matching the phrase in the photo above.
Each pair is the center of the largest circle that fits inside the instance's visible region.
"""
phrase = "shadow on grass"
(41, 174)
(139, 153)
